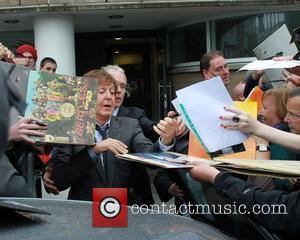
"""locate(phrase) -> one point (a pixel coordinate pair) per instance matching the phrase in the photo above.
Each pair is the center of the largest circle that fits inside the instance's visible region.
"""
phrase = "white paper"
(204, 102)
(270, 64)
(277, 43)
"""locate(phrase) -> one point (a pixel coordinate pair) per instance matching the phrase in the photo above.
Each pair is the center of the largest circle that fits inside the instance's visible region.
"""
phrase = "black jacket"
(235, 190)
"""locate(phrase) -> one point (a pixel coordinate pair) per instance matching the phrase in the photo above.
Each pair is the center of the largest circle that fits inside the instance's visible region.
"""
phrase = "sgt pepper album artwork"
(66, 104)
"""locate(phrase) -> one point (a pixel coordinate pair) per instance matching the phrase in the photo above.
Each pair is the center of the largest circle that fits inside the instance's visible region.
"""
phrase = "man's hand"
(257, 74)
(113, 145)
(283, 58)
(167, 130)
(19, 60)
(291, 78)
(24, 128)
(49, 184)
(5, 53)
(176, 191)
(181, 128)
(204, 173)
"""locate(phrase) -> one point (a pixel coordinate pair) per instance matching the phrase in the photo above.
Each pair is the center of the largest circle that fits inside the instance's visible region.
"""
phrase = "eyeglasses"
(292, 115)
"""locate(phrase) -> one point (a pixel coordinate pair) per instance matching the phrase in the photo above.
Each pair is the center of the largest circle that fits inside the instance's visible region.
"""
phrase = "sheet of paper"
(278, 43)
(270, 64)
(202, 104)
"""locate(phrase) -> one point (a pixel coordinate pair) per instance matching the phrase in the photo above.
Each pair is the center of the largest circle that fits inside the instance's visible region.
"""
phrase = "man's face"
(49, 67)
(122, 83)
(293, 114)
(30, 60)
(238, 92)
(218, 67)
(105, 101)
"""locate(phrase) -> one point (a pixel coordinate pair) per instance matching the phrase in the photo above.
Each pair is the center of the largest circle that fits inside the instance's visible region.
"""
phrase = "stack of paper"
(272, 168)
(197, 150)
(201, 105)
(270, 64)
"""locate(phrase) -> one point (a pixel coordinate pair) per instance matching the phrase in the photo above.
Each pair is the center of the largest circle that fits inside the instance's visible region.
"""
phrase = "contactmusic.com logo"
(110, 207)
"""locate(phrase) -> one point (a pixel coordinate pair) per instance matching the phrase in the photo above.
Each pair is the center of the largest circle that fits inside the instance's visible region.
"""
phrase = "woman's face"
(268, 111)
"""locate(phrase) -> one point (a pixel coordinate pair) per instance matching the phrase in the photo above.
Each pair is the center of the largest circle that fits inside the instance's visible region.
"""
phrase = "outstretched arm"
(254, 201)
(249, 125)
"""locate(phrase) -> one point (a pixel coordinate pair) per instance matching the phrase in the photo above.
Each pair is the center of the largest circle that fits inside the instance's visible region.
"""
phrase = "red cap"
(27, 48)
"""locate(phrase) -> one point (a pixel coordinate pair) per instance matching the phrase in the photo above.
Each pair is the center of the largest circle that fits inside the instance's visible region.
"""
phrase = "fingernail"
(220, 117)
(221, 125)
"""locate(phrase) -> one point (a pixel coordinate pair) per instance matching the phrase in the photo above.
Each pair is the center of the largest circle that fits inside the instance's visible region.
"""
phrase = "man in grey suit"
(12, 183)
(84, 168)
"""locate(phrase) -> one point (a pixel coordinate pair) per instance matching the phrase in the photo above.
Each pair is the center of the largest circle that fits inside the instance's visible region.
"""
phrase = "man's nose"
(108, 95)
(286, 118)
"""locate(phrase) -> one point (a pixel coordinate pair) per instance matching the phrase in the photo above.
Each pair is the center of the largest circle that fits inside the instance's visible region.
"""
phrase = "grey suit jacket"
(74, 167)
(12, 184)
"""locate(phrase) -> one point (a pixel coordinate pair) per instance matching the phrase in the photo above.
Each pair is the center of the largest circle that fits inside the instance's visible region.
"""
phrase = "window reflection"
(237, 37)
(187, 44)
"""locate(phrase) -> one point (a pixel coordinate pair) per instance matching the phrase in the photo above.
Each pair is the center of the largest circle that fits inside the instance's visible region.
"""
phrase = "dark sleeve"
(288, 204)
(68, 169)
(162, 182)
(145, 123)
(139, 142)
(12, 184)
(250, 84)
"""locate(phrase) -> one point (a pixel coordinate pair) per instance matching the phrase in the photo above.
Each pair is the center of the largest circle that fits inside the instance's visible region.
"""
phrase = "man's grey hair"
(113, 67)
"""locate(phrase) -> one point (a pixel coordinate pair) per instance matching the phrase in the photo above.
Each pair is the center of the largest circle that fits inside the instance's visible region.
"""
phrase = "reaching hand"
(243, 121)
(293, 78)
(257, 74)
(204, 173)
(113, 145)
(5, 53)
(24, 128)
(283, 58)
(166, 129)
(176, 191)
(49, 184)
(180, 124)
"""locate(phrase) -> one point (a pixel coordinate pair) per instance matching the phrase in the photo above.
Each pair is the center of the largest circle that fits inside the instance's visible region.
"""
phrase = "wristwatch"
(262, 147)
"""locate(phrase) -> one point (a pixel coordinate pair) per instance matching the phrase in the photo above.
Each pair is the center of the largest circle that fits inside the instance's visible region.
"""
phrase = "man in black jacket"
(284, 221)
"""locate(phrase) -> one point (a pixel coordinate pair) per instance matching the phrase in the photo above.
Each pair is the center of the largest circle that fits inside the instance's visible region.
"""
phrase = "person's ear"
(205, 74)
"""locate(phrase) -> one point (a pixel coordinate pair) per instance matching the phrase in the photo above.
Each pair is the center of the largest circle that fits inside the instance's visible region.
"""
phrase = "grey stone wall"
(142, 3)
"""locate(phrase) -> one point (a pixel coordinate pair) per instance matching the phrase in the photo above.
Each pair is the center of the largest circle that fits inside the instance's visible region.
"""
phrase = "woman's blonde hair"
(280, 96)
